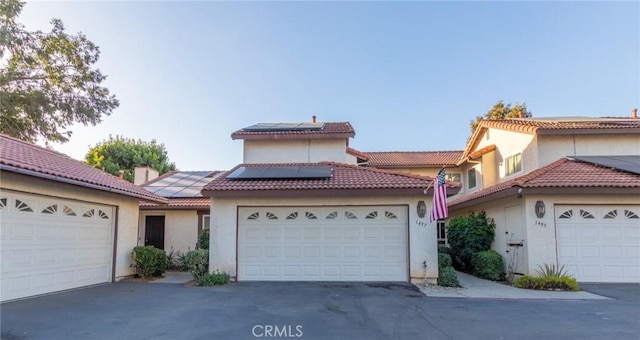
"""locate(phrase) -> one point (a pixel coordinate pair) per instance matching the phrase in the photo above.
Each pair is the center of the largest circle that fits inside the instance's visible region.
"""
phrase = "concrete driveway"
(312, 311)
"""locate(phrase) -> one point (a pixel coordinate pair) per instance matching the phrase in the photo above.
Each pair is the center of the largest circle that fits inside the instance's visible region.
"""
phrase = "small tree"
(468, 235)
(120, 153)
(501, 111)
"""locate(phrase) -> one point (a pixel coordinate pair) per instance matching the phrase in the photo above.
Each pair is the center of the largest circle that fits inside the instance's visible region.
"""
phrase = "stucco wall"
(510, 228)
(422, 233)
(127, 210)
(509, 143)
(553, 148)
(295, 151)
(180, 229)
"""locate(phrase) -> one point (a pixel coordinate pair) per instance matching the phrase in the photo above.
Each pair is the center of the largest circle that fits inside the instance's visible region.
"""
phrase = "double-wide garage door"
(50, 244)
(360, 243)
(599, 243)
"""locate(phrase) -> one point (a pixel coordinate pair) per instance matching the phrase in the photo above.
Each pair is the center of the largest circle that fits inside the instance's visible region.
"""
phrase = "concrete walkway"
(174, 277)
(476, 288)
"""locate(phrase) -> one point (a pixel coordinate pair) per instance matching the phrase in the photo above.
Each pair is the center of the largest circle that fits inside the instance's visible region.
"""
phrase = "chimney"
(121, 174)
(144, 174)
(313, 118)
(634, 113)
(521, 114)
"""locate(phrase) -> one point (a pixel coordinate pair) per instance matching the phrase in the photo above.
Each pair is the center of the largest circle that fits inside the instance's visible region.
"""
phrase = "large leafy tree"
(502, 111)
(119, 153)
(47, 80)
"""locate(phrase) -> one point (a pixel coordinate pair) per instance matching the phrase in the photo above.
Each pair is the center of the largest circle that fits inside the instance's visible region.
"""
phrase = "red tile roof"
(329, 130)
(356, 153)
(393, 159)
(554, 125)
(179, 204)
(29, 159)
(563, 173)
(346, 179)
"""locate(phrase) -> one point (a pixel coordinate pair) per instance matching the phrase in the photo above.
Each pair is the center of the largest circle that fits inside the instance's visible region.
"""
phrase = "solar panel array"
(304, 126)
(182, 184)
(626, 163)
(281, 172)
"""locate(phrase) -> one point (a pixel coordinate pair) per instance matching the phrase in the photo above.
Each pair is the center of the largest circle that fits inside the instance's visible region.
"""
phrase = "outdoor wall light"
(540, 209)
(422, 209)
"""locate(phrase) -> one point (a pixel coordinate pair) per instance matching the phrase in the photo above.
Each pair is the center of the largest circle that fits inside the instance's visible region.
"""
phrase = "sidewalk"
(476, 288)
(174, 277)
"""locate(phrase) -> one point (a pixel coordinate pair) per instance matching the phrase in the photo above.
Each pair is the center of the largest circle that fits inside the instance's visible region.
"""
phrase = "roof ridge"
(43, 148)
(524, 179)
(435, 151)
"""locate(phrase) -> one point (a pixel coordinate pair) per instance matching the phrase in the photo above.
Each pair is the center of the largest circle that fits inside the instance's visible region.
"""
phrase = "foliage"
(468, 235)
(547, 283)
(488, 265)
(501, 111)
(444, 261)
(149, 261)
(551, 270)
(197, 262)
(175, 260)
(120, 153)
(445, 250)
(213, 279)
(47, 80)
(447, 278)
(203, 239)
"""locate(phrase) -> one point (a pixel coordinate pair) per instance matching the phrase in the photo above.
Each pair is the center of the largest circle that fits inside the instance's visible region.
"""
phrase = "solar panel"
(626, 163)
(181, 184)
(282, 172)
(304, 126)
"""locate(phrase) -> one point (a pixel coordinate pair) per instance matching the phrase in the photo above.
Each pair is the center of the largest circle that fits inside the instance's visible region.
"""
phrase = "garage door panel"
(334, 244)
(48, 247)
(599, 243)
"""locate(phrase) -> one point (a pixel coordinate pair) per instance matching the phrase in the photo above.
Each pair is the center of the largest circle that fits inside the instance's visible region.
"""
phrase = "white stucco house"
(563, 191)
(175, 226)
(300, 209)
(64, 224)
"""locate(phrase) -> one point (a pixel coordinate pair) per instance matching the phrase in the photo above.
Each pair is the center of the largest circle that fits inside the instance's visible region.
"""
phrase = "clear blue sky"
(407, 75)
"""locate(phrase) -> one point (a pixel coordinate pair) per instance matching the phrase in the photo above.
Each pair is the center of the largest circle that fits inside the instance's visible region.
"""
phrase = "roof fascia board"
(32, 173)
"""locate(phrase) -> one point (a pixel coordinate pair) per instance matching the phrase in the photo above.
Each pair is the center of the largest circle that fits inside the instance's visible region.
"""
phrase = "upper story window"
(513, 164)
(454, 177)
(206, 221)
(472, 175)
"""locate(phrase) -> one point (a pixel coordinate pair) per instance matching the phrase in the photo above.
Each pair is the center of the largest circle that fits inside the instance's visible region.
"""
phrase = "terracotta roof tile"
(22, 157)
(329, 130)
(413, 158)
(356, 153)
(563, 173)
(179, 203)
(554, 125)
(344, 177)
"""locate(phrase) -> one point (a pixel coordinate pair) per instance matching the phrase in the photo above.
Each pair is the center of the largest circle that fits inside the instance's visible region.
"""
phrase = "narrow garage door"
(51, 244)
(323, 244)
(599, 243)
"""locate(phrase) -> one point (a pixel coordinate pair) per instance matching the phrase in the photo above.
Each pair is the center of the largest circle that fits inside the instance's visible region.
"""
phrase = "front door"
(154, 231)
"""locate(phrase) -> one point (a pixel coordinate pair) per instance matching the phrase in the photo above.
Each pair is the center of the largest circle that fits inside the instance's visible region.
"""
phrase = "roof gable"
(32, 160)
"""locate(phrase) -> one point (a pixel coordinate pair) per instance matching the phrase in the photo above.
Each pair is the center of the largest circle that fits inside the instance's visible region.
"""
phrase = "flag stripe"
(439, 209)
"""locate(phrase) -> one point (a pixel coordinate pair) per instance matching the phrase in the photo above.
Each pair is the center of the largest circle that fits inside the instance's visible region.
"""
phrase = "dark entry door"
(154, 231)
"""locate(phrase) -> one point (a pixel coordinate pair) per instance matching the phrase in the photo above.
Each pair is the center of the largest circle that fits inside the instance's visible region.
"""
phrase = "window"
(454, 177)
(206, 221)
(442, 236)
(471, 178)
(513, 164)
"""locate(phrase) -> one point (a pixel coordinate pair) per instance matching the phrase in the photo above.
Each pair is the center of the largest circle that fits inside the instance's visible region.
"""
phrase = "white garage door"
(599, 243)
(51, 244)
(323, 244)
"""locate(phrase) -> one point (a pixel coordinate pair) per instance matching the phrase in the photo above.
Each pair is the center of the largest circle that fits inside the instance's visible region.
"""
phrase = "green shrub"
(445, 250)
(488, 265)
(203, 239)
(444, 261)
(197, 262)
(447, 277)
(149, 261)
(213, 279)
(547, 283)
(468, 235)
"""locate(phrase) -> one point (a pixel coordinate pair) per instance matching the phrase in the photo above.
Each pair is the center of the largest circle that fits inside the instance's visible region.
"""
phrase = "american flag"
(439, 208)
